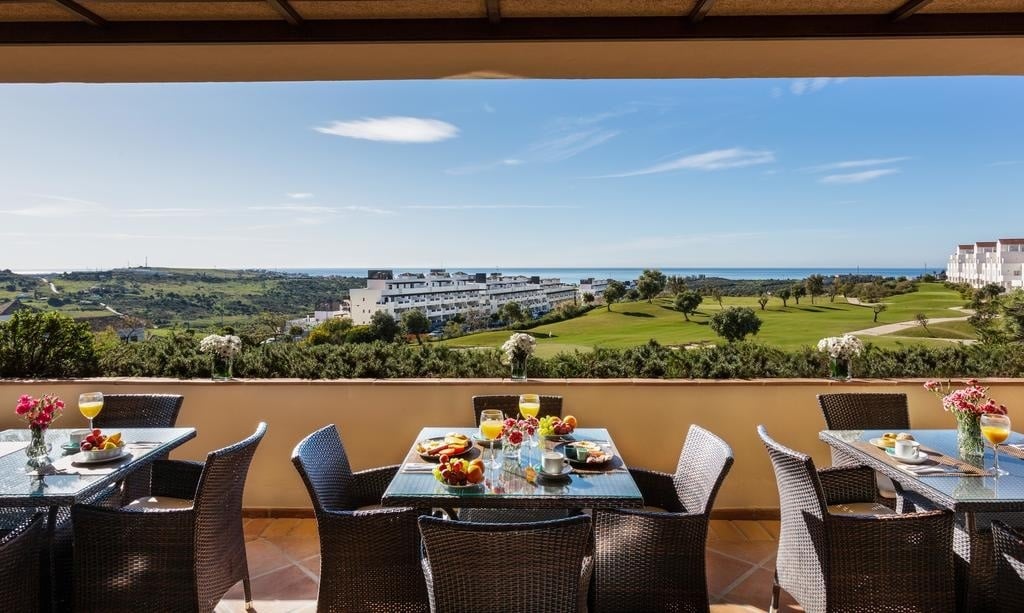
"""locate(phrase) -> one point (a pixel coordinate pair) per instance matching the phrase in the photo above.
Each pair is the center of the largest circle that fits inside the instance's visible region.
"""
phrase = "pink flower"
(931, 386)
(510, 423)
(515, 437)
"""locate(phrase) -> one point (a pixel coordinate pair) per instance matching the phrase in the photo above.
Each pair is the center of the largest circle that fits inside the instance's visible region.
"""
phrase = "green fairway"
(949, 329)
(634, 323)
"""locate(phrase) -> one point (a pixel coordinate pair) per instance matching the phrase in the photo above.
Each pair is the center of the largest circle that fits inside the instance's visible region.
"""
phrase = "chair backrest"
(323, 464)
(1009, 576)
(865, 411)
(703, 464)
(509, 405)
(470, 564)
(802, 559)
(139, 411)
(19, 564)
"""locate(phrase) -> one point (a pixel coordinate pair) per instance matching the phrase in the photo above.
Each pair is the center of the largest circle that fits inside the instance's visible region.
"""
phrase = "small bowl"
(102, 455)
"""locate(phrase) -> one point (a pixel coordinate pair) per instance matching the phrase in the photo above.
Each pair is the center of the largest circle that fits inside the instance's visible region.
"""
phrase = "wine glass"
(996, 429)
(90, 404)
(492, 421)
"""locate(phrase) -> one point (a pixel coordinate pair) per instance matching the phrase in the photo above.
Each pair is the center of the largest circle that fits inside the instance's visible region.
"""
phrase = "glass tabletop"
(20, 488)
(613, 488)
(959, 493)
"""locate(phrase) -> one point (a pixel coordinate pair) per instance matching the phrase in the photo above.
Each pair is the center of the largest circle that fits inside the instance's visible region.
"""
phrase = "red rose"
(515, 437)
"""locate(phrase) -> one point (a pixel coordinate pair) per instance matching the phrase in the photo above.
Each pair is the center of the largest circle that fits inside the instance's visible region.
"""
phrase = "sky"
(509, 173)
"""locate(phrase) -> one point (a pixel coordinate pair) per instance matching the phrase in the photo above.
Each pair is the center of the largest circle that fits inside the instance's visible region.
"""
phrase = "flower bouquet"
(841, 350)
(967, 404)
(514, 433)
(518, 349)
(223, 350)
(39, 413)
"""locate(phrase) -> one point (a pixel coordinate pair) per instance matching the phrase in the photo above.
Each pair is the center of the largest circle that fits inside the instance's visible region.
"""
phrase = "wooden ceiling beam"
(700, 10)
(493, 10)
(81, 12)
(908, 8)
(287, 12)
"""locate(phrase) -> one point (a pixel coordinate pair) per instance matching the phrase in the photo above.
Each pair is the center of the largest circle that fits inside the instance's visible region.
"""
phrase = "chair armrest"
(848, 484)
(176, 478)
(657, 489)
(368, 485)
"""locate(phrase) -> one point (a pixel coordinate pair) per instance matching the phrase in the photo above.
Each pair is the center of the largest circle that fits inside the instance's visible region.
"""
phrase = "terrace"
(136, 41)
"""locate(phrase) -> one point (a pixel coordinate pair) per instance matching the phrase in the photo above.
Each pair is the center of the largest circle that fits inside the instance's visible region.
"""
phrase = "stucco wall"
(378, 419)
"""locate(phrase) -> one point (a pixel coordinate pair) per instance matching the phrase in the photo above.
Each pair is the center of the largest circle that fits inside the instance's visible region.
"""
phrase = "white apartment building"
(438, 294)
(593, 286)
(524, 290)
(1000, 262)
(558, 293)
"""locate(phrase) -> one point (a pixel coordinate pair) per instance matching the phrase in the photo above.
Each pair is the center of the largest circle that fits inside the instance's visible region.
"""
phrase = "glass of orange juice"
(491, 425)
(529, 408)
(996, 429)
(90, 405)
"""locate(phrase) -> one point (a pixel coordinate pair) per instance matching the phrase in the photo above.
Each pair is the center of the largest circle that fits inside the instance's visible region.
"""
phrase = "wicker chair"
(369, 559)
(138, 411)
(839, 551)
(1009, 571)
(20, 550)
(509, 405)
(654, 561)
(180, 549)
(498, 567)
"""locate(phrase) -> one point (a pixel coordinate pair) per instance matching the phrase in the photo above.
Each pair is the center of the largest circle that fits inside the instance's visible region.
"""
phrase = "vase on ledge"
(222, 368)
(968, 435)
(518, 369)
(840, 369)
(38, 450)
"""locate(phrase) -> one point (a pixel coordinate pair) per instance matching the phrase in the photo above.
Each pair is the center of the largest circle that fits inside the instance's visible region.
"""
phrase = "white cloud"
(570, 145)
(313, 209)
(719, 159)
(475, 168)
(488, 108)
(392, 129)
(299, 195)
(859, 163)
(488, 207)
(859, 177)
(50, 206)
(163, 213)
(800, 87)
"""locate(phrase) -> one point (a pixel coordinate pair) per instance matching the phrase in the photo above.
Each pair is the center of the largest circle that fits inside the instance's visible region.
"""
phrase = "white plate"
(567, 469)
(921, 458)
(461, 487)
(877, 442)
(95, 457)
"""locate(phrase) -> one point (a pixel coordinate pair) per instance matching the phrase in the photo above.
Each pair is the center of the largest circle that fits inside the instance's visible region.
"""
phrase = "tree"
(261, 328)
(716, 295)
(763, 301)
(922, 320)
(613, 293)
(799, 291)
(650, 284)
(452, 328)
(45, 345)
(687, 302)
(987, 304)
(784, 295)
(1013, 316)
(632, 295)
(296, 332)
(334, 331)
(815, 286)
(416, 322)
(512, 313)
(383, 326)
(877, 308)
(735, 323)
(588, 298)
(833, 290)
(674, 284)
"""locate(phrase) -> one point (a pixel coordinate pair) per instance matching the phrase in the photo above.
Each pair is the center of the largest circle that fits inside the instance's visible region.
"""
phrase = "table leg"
(50, 589)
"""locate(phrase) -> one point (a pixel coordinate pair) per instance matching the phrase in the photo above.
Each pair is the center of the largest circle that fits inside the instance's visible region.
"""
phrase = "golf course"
(628, 324)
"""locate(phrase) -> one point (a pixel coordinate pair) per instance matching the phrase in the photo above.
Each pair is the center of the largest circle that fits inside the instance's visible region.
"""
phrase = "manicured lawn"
(949, 329)
(634, 323)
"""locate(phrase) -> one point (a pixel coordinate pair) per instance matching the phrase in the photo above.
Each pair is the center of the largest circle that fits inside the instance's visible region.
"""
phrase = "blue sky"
(511, 173)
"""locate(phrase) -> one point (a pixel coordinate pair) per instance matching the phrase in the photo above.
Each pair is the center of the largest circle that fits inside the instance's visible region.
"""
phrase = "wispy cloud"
(485, 207)
(314, 209)
(163, 213)
(489, 109)
(475, 168)
(718, 159)
(858, 164)
(392, 129)
(565, 146)
(299, 195)
(800, 87)
(858, 177)
(52, 206)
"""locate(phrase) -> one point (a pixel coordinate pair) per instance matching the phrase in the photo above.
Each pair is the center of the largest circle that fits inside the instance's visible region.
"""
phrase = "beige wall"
(378, 419)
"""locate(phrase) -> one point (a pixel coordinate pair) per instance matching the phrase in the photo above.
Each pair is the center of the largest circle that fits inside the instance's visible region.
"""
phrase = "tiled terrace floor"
(284, 563)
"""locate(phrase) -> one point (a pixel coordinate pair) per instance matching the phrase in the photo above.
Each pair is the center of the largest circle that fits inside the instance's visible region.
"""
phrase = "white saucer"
(565, 471)
(921, 458)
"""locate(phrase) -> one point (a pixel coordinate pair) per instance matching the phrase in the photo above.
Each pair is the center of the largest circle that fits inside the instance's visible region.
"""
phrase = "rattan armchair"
(513, 568)
(20, 549)
(840, 551)
(1009, 571)
(654, 561)
(369, 559)
(179, 549)
(509, 405)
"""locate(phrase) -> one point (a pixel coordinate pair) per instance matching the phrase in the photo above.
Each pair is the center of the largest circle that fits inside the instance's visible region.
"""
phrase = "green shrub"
(46, 345)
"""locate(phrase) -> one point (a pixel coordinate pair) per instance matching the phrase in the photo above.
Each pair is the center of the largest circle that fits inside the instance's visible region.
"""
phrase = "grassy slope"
(951, 329)
(634, 323)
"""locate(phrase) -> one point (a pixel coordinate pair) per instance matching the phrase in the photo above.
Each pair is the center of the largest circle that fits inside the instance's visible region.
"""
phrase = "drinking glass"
(529, 408)
(996, 429)
(491, 424)
(90, 405)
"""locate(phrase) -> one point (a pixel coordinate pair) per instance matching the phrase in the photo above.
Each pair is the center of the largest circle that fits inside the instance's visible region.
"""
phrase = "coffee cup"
(75, 437)
(553, 463)
(576, 453)
(907, 449)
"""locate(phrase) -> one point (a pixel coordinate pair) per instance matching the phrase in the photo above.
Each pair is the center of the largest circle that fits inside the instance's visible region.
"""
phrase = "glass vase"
(518, 369)
(509, 450)
(38, 450)
(840, 369)
(968, 435)
(222, 368)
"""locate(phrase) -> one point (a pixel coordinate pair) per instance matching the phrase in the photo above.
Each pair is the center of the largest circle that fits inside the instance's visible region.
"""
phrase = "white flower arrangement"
(227, 346)
(844, 347)
(519, 346)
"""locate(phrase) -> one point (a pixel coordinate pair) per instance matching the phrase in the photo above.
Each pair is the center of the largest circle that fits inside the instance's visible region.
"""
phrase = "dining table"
(967, 487)
(67, 481)
(509, 486)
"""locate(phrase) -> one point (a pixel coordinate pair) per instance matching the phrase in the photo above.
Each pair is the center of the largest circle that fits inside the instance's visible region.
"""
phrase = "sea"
(573, 275)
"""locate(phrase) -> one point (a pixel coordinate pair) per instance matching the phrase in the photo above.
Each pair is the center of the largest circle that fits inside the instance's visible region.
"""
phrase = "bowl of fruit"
(98, 447)
(452, 444)
(556, 428)
(457, 473)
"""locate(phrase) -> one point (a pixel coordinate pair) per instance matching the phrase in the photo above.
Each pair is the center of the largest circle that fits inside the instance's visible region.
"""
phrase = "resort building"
(1000, 262)
(558, 293)
(524, 290)
(438, 294)
(593, 286)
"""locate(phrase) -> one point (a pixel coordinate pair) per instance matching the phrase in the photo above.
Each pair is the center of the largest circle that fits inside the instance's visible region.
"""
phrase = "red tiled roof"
(986, 244)
(1012, 241)
(971, 246)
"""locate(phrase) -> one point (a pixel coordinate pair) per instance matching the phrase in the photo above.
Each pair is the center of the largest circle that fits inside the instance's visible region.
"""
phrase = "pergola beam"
(700, 10)
(287, 12)
(908, 9)
(83, 13)
(493, 11)
(518, 30)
